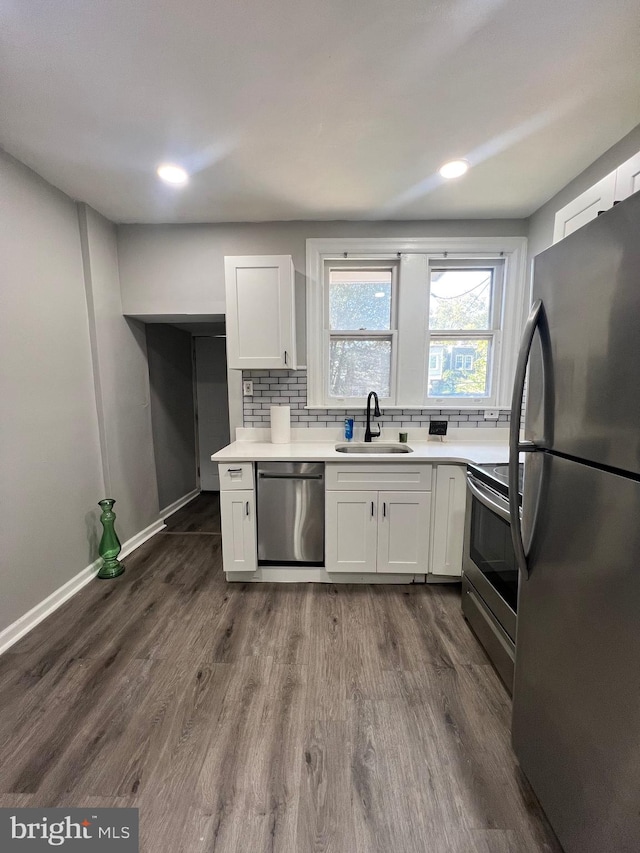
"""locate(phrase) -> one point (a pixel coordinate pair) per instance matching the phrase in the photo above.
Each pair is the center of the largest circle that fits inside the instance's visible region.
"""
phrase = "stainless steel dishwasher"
(291, 513)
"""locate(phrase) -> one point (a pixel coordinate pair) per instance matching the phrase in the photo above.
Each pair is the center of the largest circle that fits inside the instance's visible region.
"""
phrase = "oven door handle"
(487, 499)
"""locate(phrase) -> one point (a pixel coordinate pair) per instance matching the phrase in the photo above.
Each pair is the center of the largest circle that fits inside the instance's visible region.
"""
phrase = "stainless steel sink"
(373, 448)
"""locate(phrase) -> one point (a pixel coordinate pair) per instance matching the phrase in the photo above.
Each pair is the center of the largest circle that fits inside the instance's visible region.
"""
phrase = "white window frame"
(414, 257)
(492, 333)
(351, 334)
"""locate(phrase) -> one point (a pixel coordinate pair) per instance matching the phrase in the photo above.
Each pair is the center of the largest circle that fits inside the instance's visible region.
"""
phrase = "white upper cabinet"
(628, 178)
(260, 311)
(618, 185)
(585, 207)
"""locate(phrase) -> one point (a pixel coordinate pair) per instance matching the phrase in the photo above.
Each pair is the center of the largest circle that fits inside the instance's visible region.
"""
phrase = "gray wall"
(542, 221)
(179, 269)
(213, 406)
(50, 471)
(171, 383)
(122, 382)
(74, 420)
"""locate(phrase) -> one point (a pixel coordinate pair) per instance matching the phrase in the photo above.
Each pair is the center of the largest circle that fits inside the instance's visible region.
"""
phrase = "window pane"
(359, 299)
(459, 368)
(460, 299)
(357, 366)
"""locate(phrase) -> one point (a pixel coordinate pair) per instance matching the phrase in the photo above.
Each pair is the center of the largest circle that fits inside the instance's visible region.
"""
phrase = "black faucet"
(368, 435)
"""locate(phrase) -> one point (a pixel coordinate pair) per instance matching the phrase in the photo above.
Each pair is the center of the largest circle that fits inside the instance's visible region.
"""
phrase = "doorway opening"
(189, 408)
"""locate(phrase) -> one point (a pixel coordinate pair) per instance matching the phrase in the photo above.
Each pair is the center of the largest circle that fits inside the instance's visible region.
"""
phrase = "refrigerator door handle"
(515, 445)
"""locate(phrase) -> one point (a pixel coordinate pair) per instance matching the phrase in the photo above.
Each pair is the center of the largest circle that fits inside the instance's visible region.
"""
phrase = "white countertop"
(461, 452)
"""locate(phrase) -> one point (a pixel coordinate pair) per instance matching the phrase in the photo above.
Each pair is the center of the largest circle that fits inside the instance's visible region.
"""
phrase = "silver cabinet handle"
(515, 445)
(488, 500)
(247, 508)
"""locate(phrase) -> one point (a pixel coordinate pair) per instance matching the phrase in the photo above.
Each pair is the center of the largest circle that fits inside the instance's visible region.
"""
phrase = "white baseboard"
(176, 505)
(46, 607)
(140, 538)
(25, 623)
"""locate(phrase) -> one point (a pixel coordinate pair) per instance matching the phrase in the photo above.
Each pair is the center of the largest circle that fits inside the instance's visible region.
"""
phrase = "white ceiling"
(316, 109)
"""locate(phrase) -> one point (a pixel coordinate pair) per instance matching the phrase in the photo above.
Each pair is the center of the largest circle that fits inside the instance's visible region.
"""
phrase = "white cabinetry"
(260, 311)
(448, 520)
(351, 530)
(403, 532)
(585, 207)
(238, 517)
(378, 529)
(616, 186)
(628, 178)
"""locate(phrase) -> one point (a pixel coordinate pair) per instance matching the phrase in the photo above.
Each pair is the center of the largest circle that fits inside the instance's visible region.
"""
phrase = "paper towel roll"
(280, 424)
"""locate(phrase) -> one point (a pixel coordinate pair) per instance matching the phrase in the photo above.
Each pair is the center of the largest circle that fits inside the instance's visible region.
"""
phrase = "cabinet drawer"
(410, 477)
(235, 475)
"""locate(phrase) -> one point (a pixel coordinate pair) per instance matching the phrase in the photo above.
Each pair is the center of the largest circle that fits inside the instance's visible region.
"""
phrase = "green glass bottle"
(109, 544)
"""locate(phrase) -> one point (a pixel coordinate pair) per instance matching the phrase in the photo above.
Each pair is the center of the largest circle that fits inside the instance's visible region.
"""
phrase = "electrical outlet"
(491, 414)
(247, 387)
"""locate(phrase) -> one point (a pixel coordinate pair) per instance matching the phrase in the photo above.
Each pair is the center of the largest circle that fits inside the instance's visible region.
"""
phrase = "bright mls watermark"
(79, 830)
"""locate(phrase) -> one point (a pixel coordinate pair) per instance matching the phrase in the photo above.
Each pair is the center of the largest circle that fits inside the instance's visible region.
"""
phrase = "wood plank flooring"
(242, 718)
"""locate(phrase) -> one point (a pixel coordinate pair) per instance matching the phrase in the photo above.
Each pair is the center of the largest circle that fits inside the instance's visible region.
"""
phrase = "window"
(424, 322)
(464, 362)
(465, 310)
(360, 319)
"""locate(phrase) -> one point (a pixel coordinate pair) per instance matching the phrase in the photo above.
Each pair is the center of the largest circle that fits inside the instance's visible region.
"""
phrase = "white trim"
(33, 617)
(306, 574)
(236, 402)
(512, 249)
(47, 606)
(140, 538)
(176, 505)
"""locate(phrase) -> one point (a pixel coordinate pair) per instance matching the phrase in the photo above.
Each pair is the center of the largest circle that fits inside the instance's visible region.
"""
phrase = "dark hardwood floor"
(258, 717)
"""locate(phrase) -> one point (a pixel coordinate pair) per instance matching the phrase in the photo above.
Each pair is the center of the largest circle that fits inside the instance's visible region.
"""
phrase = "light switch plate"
(247, 387)
(491, 414)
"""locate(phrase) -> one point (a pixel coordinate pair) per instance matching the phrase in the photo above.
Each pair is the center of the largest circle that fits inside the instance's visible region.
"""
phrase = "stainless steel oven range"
(490, 569)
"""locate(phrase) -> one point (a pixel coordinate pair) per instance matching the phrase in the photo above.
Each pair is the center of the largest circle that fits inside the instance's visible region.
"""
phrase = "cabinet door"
(238, 515)
(448, 520)
(628, 178)
(404, 521)
(260, 311)
(351, 522)
(585, 207)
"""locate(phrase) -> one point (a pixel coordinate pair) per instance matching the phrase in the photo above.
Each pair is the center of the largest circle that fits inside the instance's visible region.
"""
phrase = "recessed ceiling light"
(454, 168)
(380, 294)
(172, 174)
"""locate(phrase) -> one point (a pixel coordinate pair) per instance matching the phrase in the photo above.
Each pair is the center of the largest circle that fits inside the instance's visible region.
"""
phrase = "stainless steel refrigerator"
(576, 700)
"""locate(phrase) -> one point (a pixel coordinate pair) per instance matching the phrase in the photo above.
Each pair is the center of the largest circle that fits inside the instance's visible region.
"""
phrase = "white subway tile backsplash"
(284, 387)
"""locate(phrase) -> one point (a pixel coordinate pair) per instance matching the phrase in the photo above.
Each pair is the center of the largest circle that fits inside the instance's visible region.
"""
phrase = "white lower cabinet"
(448, 520)
(239, 545)
(384, 532)
(403, 532)
(351, 531)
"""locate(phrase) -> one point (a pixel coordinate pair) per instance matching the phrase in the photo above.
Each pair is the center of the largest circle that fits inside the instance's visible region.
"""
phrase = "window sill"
(454, 404)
